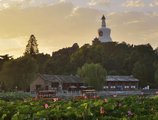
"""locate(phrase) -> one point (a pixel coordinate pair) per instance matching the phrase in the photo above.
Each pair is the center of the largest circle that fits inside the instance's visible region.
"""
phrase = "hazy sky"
(60, 23)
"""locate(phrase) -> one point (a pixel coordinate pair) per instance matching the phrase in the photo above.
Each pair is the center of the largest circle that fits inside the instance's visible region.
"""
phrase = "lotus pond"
(127, 108)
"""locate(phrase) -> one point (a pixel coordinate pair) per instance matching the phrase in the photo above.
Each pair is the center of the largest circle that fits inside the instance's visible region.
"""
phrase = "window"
(133, 86)
(46, 87)
(126, 86)
(54, 85)
(38, 87)
(105, 87)
(113, 87)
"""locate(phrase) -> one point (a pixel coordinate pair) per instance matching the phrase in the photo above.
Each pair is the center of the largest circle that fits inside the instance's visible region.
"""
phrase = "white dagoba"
(104, 33)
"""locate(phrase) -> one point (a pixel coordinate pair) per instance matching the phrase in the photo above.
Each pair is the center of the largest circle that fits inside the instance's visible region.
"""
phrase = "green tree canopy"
(41, 59)
(32, 46)
(144, 71)
(3, 59)
(156, 76)
(19, 73)
(60, 63)
(93, 74)
(156, 73)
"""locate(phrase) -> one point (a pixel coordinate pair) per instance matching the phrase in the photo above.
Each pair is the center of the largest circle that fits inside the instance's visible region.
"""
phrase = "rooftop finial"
(103, 18)
(103, 21)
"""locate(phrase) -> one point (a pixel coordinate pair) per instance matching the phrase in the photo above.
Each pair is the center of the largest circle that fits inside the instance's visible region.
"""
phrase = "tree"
(156, 76)
(93, 74)
(96, 41)
(3, 59)
(41, 61)
(144, 71)
(19, 73)
(32, 46)
(60, 61)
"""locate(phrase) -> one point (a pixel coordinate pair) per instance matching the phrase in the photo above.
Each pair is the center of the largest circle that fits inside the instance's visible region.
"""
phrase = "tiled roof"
(121, 78)
(76, 79)
(61, 78)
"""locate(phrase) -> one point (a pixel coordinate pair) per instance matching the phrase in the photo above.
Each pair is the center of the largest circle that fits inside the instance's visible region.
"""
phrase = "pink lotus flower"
(85, 97)
(55, 99)
(46, 106)
(102, 111)
(129, 113)
(105, 100)
(114, 95)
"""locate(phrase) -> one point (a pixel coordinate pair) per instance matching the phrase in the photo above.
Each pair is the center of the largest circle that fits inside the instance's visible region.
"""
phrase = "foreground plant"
(134, 108)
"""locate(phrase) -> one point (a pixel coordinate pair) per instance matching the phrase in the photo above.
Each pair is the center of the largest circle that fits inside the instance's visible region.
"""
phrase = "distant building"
(104, 32)
(121, 83)
(58, 82)
(70, 82)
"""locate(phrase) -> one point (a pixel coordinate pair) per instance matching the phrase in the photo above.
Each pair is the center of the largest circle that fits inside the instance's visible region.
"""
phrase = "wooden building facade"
(57, 82)
(121, 83)
(70, 82)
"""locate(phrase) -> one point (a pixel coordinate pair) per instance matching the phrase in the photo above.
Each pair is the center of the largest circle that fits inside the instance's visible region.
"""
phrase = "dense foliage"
(128, 108)
(32, 46)
(117, 58)
(13, 96)
(93, 74)
(3, 59)
(18, 73)
(60, 62)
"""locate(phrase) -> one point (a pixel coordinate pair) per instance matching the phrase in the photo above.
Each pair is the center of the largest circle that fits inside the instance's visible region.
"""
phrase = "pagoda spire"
(104, 32)
(103, 21)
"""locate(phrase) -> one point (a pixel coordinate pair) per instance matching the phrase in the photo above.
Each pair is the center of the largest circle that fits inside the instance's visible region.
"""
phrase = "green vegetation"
(32, 46)
(93, 74)
(116, 58)
(13, 96)
(128, 108)
(18, 73)
(60, 62)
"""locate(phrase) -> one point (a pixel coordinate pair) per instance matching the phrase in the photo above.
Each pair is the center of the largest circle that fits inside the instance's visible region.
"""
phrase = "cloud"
(62, 23)
(27, 3)
(4, 4)
(53, 26)
(99, 2)
(133, 22)
(12, 46)
(134, 3)
(74, 11)
(127, 26)
(154, 4)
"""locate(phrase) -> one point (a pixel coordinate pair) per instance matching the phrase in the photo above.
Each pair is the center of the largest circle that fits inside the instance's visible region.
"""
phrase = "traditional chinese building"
(70, 82)
(58, 82)
(121, 83)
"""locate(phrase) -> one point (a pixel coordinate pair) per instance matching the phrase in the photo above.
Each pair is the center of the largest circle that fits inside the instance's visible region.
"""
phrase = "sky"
(61, 23)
